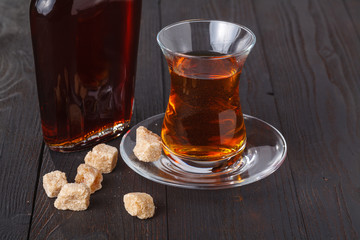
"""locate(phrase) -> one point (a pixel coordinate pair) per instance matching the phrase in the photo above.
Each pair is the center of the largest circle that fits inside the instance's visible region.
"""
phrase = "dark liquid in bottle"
(85, 57)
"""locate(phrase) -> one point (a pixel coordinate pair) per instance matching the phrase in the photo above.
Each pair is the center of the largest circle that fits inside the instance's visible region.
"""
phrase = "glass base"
(201, 166)
(264, 153)
(103, 136)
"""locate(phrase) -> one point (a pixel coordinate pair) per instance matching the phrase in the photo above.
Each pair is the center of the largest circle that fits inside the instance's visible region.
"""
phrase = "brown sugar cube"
(148, 145)
(139, 204)
(73, 196)
(90, 176)
(102, 157)
(53, 182)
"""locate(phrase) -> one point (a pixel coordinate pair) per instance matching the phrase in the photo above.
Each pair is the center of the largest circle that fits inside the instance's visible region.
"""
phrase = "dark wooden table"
(303, 77)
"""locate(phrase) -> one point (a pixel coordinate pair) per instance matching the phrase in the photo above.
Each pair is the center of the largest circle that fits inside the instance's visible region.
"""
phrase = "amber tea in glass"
(203, 122)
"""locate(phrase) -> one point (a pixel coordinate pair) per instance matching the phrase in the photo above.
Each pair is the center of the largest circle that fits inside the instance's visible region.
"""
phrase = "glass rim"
(235, 54)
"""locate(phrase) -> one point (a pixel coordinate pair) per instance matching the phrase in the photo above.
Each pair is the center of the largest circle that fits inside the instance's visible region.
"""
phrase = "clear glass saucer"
(264, 153)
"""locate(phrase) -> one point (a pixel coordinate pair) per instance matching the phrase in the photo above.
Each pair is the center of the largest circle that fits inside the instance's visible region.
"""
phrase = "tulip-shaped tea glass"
(203, 129)
(203, 124)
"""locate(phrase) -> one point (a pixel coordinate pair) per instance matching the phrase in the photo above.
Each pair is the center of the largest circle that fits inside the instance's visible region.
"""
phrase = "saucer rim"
(205, 186)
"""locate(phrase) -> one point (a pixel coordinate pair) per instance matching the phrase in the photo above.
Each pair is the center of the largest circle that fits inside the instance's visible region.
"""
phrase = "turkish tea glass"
(203, 124)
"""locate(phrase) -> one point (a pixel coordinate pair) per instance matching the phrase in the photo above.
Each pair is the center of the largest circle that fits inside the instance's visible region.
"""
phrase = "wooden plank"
(106, 217)
(312, 54)
(352, 7)
(20, 133)
(267, 209)
(149, 81)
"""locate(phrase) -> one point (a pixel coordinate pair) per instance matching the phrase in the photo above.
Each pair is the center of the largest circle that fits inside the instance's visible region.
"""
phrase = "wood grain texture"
(106, 217)
(20, 133)
(315, 61)
(302, 77)
(264, 210)
(149, 99)
(352, 7)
